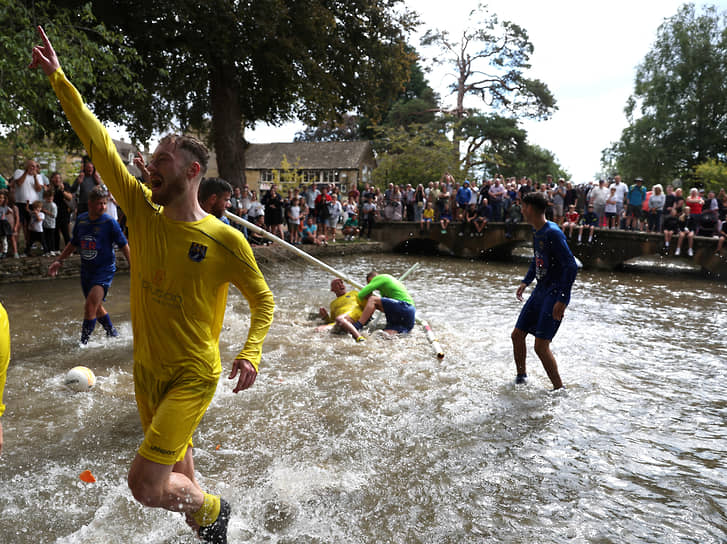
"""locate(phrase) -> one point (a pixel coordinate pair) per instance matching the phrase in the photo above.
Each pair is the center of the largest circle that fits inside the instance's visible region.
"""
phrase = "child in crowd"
(571, 220)
(50, 209)
(611, 209)
(427, 218)
(35, 227)
(589, 220)
(445, 218)
(350, 227)
(293, 214)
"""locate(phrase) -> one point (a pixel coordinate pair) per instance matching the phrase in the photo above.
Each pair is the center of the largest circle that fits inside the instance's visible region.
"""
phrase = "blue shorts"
(536, 317)
(88, 283)
(399, 315)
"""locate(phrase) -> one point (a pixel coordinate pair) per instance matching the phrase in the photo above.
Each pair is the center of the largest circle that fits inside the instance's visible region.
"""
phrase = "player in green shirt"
(395, 302)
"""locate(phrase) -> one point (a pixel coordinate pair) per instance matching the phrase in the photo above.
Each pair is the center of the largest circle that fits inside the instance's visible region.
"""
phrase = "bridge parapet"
(609, 250)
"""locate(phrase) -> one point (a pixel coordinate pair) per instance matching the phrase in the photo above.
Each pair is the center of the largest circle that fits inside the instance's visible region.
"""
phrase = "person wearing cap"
(636, 197)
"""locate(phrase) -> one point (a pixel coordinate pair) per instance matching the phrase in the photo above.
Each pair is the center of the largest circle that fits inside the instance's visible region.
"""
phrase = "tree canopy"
(215, 67)
(678, 111)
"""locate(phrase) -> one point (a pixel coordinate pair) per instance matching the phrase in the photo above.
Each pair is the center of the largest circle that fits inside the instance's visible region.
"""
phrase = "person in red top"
(695, 202)
(571, 219)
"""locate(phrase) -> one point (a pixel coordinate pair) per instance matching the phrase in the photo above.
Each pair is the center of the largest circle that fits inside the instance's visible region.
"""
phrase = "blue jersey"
(553, 264)
(95, 242)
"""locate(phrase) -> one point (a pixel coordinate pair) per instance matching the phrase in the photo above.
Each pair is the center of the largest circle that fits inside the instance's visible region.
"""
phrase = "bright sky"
(586, 52)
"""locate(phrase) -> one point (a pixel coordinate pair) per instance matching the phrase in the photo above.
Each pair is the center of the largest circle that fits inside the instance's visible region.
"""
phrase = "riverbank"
(27, 269)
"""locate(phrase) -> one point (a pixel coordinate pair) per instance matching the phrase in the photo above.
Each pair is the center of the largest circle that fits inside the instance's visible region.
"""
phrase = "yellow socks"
(207, 515)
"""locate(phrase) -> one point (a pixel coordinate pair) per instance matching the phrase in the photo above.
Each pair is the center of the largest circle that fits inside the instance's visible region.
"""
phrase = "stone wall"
(36, 268)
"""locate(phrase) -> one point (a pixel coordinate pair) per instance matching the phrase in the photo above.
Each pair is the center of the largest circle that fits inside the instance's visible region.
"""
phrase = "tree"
(533, 161)
(712, 175)
(237, 63)
(346, 130)
(97, 59)
(678, 111)
(419, 155)
(495, 71)
(416, 104)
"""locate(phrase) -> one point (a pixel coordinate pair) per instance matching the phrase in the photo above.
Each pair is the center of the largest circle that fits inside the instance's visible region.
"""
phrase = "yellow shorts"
(170, 411)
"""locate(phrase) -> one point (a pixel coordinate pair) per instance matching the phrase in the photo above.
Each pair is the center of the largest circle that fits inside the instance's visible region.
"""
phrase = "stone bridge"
(609, 250)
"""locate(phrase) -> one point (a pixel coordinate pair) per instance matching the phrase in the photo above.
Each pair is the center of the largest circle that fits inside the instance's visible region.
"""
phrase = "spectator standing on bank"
(63, 199)
(84, 184)
(656, 208)
(636, 197)
(621, 196)
(598, 197)
(35, 227)
(28, 185)
(50, 211)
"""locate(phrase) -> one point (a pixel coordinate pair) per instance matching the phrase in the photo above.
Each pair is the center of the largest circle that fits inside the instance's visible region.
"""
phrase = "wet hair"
(97, 193)
(371, 276)
(212, 186)
(194, 148)
(536, 200)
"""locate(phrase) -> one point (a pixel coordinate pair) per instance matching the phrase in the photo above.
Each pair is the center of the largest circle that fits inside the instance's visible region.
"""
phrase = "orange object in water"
(87, 477)
(218, 447)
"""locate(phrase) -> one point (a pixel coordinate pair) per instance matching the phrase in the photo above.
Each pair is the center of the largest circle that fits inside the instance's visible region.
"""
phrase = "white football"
(80, 378)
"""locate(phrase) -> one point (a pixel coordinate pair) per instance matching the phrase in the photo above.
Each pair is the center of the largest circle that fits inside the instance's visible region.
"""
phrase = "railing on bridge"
(610, 249)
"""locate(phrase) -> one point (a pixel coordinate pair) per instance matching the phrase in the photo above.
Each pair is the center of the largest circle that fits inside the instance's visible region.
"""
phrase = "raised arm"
(95, 138)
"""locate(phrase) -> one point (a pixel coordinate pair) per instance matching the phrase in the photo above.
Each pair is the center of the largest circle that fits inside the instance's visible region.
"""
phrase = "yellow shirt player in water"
(346, 305)
(182, 261)
(4, 361)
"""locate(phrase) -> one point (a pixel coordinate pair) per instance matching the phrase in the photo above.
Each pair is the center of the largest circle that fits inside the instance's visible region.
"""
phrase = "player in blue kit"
(555, 268)
(94, 235)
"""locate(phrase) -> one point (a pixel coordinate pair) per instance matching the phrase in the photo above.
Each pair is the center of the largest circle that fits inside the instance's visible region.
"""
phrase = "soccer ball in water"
(80, 378)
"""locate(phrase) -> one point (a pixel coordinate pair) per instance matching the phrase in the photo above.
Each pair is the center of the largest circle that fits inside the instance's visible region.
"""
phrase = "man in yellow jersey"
(345, 306)
(182, 262)
(4, 361)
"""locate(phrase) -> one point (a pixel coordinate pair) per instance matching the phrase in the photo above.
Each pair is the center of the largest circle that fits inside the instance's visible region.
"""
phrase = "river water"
(382, 443)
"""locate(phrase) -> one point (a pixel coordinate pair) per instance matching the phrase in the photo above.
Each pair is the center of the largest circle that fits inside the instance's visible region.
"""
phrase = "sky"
(586, 52)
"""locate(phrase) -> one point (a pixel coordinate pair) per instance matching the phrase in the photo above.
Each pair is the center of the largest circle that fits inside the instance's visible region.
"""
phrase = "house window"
(311, 176)
(330, 176)
(267, 176)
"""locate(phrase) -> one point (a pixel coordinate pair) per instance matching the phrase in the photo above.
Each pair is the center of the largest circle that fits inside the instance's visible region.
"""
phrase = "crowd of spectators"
(42, 209)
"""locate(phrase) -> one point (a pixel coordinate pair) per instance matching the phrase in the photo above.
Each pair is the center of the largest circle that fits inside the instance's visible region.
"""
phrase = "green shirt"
(388, 286)
(3, 183)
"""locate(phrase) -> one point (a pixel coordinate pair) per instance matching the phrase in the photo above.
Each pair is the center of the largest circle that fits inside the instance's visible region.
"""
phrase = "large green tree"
(678, 111)
(489, 61)
(98, 59)
(225, 65)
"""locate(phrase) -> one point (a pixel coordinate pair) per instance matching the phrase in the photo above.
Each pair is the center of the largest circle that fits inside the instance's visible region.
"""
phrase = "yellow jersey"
(346, 304)
(180, 271)
(4, 353)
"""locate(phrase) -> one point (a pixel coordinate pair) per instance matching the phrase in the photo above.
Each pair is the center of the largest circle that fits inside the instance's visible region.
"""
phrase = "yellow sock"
(207, 515)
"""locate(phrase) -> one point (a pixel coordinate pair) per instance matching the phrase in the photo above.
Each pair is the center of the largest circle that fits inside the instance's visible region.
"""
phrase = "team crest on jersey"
(197, 252)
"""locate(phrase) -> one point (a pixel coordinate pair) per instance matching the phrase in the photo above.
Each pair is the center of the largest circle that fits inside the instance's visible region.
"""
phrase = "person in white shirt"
(28, 185)
(622, 191)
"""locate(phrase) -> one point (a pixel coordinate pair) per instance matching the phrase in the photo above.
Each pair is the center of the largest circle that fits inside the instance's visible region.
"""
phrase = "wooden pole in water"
(265, 234)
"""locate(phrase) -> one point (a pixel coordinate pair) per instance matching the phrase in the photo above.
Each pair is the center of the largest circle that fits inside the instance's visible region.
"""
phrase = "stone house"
(345, 164)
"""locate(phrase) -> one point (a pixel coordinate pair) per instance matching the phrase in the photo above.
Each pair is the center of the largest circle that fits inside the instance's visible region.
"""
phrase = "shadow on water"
(381, 442)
